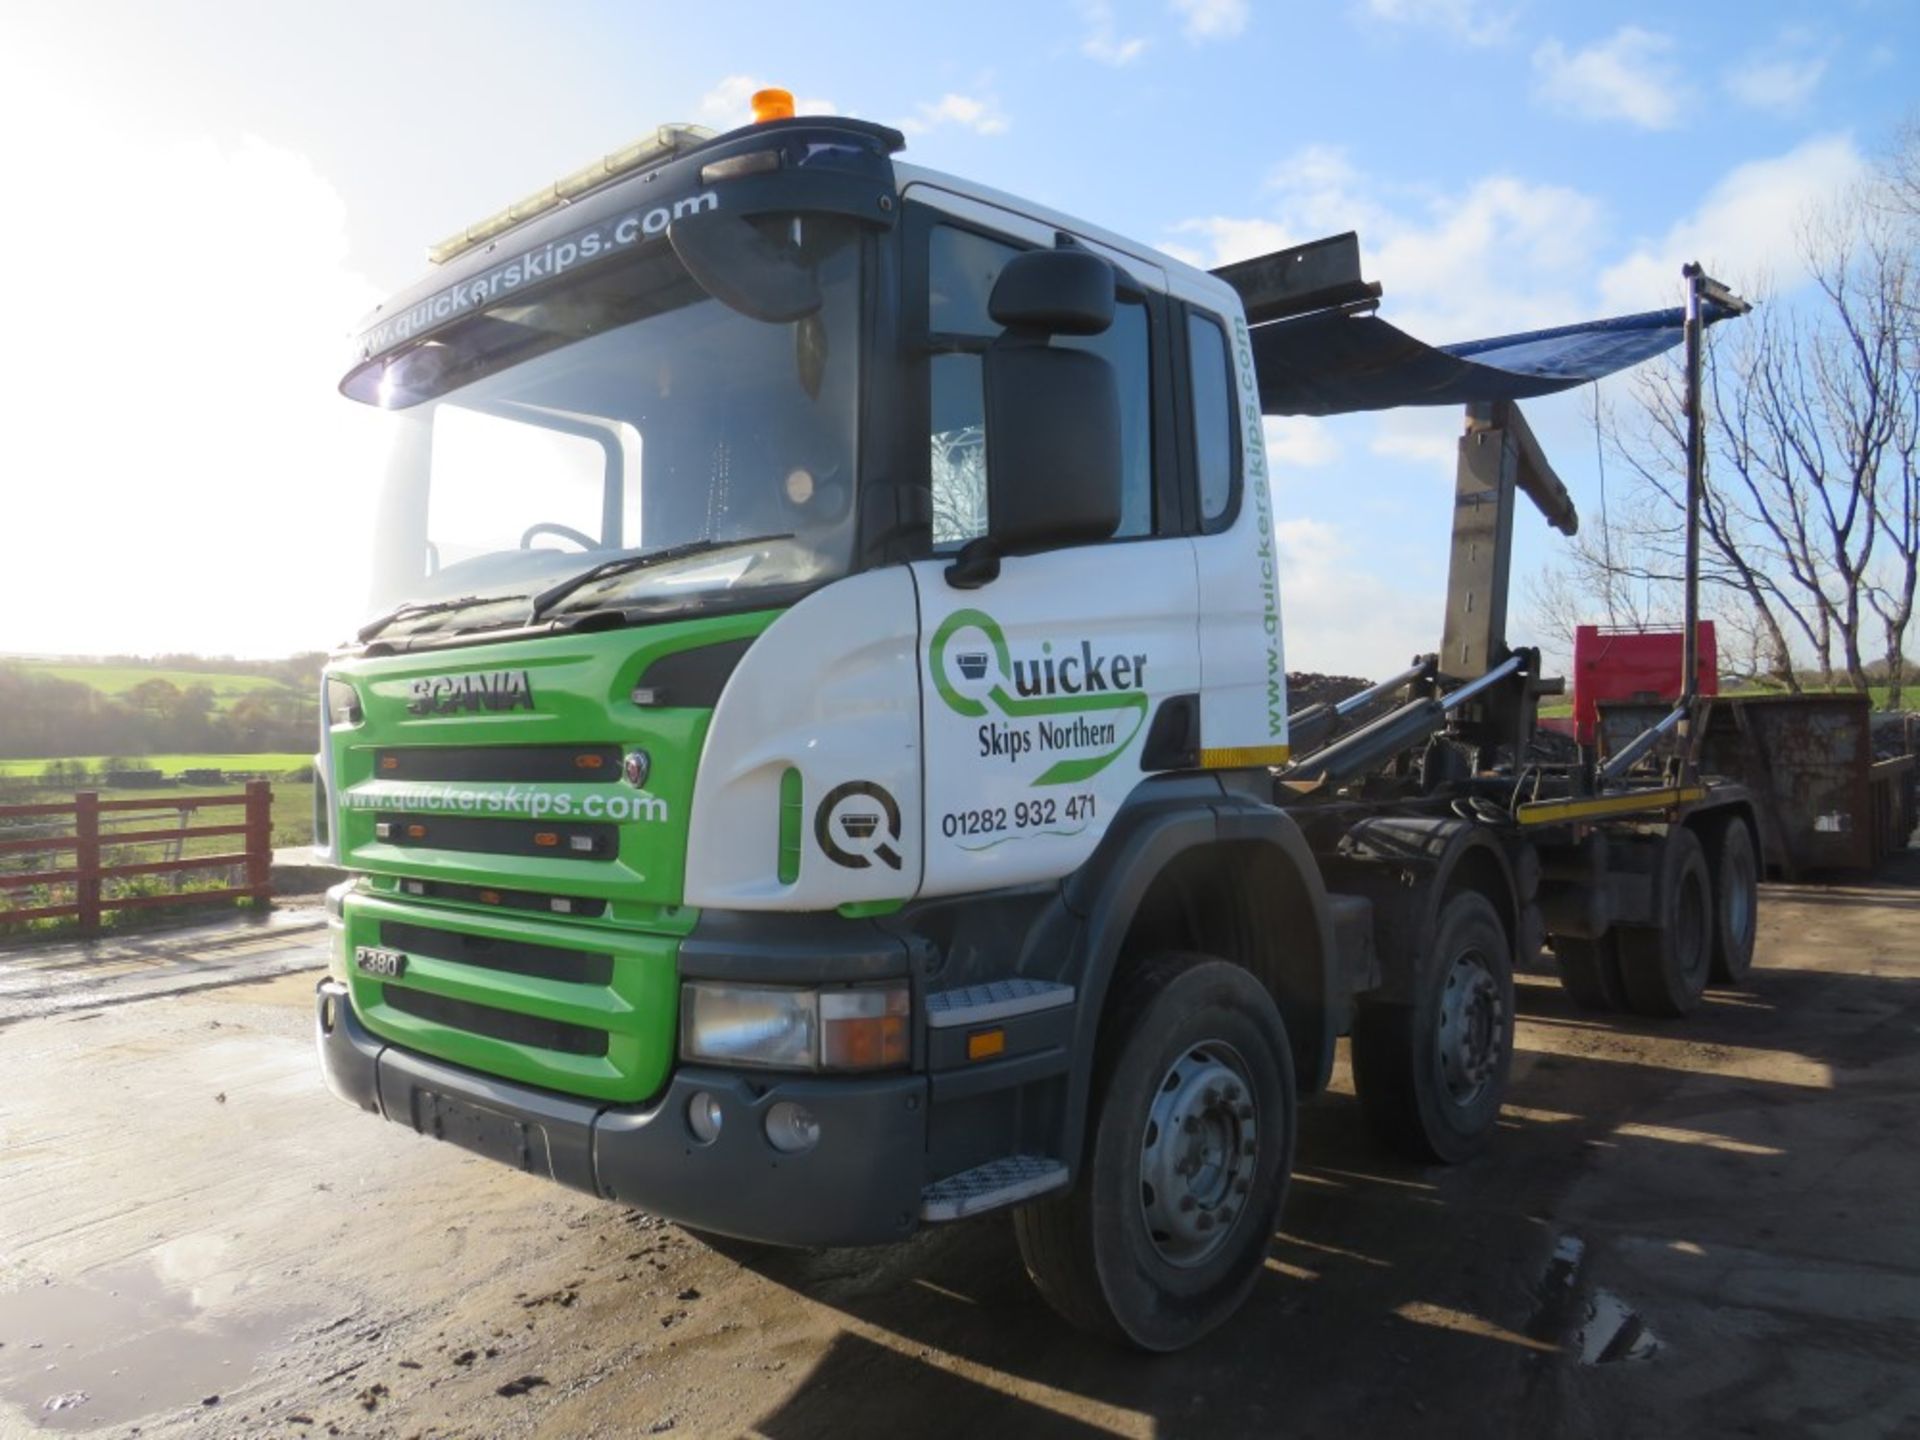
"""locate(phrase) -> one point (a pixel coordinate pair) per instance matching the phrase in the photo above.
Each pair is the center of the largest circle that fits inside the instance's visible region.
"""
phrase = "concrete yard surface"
(1706, 1227)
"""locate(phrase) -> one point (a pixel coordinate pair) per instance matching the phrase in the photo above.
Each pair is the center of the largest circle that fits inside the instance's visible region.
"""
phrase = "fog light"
(704, 1116)
(791, 1128)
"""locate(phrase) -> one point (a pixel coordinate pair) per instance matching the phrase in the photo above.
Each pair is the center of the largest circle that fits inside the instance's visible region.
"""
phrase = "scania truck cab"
(816, 764)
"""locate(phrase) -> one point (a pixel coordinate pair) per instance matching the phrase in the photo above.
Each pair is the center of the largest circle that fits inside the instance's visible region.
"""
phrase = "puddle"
(1613, 1331)
(158, 1335)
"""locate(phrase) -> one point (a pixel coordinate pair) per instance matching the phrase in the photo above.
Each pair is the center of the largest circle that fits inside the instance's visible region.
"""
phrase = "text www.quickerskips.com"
(514, 802)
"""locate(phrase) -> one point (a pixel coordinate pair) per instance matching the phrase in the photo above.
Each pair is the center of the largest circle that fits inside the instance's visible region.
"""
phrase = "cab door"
(1040, 688)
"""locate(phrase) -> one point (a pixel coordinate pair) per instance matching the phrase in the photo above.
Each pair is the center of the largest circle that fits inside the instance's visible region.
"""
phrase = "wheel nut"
(1205, 1222)
(1187, 1202)
(1213, 1095)
(1190, 1124)
(1245, 1112)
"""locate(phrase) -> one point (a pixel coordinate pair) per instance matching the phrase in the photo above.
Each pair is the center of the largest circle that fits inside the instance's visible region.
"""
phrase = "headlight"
(343, 702)
(863, 1028)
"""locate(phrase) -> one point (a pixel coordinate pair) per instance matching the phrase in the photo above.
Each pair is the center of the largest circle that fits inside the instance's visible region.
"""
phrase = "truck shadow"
(1400, 1295)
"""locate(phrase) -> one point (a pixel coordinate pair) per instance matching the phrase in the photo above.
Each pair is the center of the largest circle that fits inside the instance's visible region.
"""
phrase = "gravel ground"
(1697, 1228)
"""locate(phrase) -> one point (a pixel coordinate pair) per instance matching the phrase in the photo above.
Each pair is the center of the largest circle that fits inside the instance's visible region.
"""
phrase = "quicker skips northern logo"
(1071, 698)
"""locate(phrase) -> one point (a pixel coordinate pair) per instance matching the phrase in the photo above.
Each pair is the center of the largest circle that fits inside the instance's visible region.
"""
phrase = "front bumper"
(860, 1185)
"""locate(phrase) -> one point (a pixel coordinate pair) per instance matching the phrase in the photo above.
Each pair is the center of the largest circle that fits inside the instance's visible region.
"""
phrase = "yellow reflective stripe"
(1547, 812)
(1237, 757)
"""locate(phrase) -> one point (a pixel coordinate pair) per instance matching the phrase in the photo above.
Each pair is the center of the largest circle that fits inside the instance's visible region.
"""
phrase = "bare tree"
(1809, 514)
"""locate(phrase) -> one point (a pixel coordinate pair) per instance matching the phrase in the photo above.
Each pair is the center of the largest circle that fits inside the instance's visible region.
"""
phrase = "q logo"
(849, 822)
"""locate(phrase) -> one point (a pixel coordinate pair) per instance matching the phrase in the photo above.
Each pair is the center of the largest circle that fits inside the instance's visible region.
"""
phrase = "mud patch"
(163, 1333)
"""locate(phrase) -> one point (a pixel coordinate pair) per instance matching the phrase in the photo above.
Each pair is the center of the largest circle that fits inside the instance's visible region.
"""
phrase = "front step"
(1006, 1181)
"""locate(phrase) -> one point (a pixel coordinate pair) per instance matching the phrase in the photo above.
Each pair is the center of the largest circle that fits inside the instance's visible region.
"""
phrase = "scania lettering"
(820, 762)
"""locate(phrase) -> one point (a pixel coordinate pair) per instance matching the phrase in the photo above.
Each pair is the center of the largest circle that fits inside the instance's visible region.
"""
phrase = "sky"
(203, 198)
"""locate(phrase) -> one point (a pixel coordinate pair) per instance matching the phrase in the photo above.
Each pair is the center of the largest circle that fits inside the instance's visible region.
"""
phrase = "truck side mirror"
(1052, 415)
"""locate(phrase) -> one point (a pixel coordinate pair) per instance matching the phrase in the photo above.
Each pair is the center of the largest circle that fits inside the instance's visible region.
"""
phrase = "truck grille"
(496, 1024)
(518, 957)
(528, 764)
(559, 839)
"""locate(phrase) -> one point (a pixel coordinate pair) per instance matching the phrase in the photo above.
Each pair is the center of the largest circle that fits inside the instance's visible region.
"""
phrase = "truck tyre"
(1431, 1075)
(1665, 966)
(1736, 903)
(1590, 971)
(1189, 1148)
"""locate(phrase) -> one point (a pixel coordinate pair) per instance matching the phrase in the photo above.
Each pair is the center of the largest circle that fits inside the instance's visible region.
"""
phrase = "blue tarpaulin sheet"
(1333, 362)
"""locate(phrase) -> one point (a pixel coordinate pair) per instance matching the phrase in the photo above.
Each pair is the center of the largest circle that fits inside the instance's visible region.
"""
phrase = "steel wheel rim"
(1199, 1152)
(1740, 888)
(1690, 933)
(1471, 1027)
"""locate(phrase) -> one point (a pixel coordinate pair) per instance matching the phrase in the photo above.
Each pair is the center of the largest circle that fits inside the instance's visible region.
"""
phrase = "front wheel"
(1190, 1147)
(1431, 1075)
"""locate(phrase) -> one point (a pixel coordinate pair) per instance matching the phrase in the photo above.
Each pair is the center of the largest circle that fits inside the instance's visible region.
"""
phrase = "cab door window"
(962, 268)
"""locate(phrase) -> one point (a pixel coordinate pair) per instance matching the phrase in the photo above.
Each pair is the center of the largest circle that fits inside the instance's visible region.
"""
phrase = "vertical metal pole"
(1696, 467)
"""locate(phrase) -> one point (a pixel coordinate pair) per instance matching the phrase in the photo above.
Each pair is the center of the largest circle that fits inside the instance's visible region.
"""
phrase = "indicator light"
(490, 897)
(772, 104)
(389, 762)
(588, 762)
(416, 832)
(985, 1044)
(546, 839)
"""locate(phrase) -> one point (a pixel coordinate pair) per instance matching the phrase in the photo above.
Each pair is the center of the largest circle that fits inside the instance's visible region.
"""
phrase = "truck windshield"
(622, 416)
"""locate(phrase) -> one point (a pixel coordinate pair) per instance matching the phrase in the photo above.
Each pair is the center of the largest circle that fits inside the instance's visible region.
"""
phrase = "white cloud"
(1103, 41)
(1628, 76)
(728, 105)
(1745, 230)
(1332, 628)
(1299, 441)
(979, 113)
(1472, 22)
(1427, 436)
(1778, 81)
(1499, 256)
(1212, 19)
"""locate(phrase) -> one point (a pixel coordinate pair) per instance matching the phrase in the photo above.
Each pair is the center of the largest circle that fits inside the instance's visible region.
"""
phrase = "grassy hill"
(111, 678)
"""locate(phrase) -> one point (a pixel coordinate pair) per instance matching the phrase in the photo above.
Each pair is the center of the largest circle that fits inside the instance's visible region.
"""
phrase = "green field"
(269, 764)
(119, 679)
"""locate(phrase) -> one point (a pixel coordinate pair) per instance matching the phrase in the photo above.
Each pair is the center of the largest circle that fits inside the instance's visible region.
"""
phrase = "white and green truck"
(819, 764)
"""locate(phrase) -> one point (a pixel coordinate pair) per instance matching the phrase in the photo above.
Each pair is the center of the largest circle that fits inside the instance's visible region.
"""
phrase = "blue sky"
(273, 168)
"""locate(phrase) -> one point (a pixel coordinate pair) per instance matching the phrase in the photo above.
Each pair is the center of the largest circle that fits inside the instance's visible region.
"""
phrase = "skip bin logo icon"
(848, 825)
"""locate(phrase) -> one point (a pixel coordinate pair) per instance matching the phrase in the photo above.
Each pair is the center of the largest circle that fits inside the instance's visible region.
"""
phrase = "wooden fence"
(89, 839)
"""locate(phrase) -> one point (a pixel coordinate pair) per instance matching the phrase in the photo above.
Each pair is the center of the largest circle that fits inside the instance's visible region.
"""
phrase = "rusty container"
(1808, 760)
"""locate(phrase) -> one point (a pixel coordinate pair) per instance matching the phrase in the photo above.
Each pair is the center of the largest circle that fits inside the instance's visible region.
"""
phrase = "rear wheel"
(1190, 1146)
(1590, 971)
(1736, 903)
(1665, 965)
(1431, 1075)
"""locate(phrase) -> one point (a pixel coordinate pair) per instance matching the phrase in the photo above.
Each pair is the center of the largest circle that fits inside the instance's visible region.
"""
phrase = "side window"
(962, 268)
(1216, 449)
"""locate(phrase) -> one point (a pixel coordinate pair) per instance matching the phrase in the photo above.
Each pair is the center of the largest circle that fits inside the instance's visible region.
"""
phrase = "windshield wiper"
(626, 564)
(427, 607)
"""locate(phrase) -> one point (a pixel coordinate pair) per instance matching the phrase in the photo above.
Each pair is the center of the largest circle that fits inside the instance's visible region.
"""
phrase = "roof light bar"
(664, 144)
